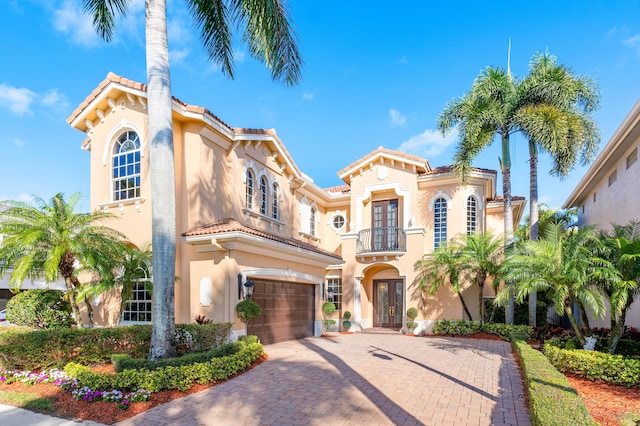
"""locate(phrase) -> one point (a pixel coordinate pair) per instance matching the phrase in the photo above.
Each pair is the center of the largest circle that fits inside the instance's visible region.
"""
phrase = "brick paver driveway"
(362, 379)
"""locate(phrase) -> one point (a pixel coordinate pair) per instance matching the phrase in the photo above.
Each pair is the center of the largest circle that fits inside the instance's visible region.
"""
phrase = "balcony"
(390, 239)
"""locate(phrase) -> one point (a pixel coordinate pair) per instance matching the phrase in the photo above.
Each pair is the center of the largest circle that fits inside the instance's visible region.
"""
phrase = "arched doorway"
(386, 293)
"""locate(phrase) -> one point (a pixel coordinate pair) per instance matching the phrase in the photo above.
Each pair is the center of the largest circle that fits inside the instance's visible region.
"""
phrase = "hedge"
(180, 377)
(467, 328)
(614, 369)
(22, 350)
(552, 400)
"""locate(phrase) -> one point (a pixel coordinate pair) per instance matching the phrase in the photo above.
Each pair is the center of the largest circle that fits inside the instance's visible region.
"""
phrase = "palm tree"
(623, 251)
(51, 240)
(482, 255)
(546, 217)
(559, 124)
(564, 264)
(270, 38)
(129, 266)
(443, 266)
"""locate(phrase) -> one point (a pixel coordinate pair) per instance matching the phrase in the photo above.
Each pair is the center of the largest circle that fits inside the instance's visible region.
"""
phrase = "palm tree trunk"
(617, 331)
(508, 215)
(75, 312)
(574, 323)
(533, 220)
(162, 176)
(464, 305)
(481, 279)
(89, 311)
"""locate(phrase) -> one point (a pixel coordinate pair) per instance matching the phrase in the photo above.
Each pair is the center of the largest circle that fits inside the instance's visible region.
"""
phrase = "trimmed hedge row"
(552, 400)
(467, 328)
(22, 350)
(169, 377)
(615, 369)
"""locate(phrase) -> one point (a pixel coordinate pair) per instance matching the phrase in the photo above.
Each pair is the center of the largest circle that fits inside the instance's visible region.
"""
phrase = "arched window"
(249, 189)
(275, 208)
(439, 223)
(472, 215)
(126, 166)
(263, 195)
(312, 222)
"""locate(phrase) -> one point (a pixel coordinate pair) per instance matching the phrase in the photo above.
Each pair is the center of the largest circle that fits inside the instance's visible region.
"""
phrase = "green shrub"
(520, 313)
(614, 369)
(552, 400)
(180, 377)
(346, 315)
(247, 310)
(459, 327)
(125, 362)
(411, 326)
(248, 339)
(40, 309)
(328, 308)
(346, 325)
(22, 350)
(412, 313)
(507, 331)
(327, 324)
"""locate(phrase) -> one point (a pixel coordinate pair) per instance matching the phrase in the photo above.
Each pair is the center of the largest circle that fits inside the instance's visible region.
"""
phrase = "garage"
(287, 311)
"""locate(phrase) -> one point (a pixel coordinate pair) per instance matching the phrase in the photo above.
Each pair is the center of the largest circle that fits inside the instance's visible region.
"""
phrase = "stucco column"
(357, 309)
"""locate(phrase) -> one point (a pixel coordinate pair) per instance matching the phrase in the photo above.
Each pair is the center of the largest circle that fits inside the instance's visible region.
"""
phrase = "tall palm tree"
(129, 266)
(564, 264)
(270, 38)
(51, 240)
(444, 266)
(560, 124)
(547, 217)
(482, 255)
(623, 251)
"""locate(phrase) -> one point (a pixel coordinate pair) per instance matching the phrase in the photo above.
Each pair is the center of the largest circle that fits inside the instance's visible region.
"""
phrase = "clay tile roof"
(380, 149)
(448, 169)
(232, 225)
(342, 189)
(114, 78)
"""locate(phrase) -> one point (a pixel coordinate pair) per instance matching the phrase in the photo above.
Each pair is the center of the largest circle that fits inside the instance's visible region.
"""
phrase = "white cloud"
(239, 56)
(177, 56)
(397, 119)
(308, 96)
(17, 100)
(429, 143)
(70, 19)
(633, 42)
(55, 100)
(18, 142)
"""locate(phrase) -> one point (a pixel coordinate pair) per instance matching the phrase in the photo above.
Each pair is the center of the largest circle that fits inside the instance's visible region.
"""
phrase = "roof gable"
(416, 164)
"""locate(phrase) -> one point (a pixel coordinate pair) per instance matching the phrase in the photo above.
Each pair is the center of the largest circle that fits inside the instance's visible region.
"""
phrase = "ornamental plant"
(328, 308)
(247, 310)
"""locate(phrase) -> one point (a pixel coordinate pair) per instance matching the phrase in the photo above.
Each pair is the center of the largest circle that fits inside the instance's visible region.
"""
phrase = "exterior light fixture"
(245, 289)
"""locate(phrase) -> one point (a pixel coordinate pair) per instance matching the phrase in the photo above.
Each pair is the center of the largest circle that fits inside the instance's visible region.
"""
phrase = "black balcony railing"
(390, 238)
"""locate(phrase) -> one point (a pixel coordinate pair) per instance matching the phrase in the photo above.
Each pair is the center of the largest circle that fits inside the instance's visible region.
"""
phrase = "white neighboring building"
(608, 194)
(5, 292)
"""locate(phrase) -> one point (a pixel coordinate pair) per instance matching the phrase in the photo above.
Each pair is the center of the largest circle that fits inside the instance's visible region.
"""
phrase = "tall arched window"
(472, 215)
(439, 223)
(125, 176)
(249, 189)
(263, 195)
(275, 208)
(312, 222)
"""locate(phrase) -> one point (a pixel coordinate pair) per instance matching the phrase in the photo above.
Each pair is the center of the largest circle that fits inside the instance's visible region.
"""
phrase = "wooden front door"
(388, 303)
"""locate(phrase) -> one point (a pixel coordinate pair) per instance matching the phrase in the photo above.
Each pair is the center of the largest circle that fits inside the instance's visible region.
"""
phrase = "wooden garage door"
(287, 311)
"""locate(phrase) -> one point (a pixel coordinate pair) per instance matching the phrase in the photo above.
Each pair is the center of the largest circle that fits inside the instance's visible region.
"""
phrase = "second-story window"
(249, 189)
(312, 221)
(126, 167)
(472, 215)
(263, 195)
(439, 223)
(275, 211)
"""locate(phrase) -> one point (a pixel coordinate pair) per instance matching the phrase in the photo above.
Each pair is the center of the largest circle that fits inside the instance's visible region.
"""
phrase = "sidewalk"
(13, 416)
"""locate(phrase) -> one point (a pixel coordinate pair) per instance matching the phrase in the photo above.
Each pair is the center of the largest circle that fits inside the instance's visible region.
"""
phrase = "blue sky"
(376, 74)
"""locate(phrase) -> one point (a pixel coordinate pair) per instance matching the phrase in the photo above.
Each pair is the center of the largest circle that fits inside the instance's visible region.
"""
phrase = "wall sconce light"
(245, 289)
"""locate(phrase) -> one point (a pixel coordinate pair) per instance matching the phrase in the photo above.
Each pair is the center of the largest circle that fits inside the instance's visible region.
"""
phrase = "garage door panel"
(287, 311)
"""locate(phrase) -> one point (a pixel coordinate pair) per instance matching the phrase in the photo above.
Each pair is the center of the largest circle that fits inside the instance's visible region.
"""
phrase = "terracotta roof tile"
(232, 225)
(381, 149)
(343, 189)
(448, 169)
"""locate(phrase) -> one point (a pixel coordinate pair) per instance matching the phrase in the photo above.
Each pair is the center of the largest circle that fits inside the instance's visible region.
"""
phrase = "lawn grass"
(28, 400)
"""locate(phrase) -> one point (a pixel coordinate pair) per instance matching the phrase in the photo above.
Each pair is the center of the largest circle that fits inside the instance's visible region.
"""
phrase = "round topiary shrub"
(247, 310)
(346, 325)
(328, 308)
(42, 309)
(346, 315)
(412, 313)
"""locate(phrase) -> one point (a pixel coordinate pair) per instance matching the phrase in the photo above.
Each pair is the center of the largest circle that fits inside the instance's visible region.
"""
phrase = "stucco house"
(246, 212)
(605, 195)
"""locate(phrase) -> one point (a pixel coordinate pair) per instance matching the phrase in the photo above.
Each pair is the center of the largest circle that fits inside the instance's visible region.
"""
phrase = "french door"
(384, 224)
(388, 303)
